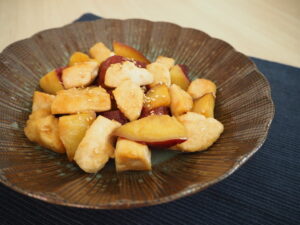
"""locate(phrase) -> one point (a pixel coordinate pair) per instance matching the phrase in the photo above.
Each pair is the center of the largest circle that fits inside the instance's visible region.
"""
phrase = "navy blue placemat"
(266, 190)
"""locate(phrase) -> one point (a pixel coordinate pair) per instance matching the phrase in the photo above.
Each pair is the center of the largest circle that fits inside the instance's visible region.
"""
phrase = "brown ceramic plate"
(244, 106)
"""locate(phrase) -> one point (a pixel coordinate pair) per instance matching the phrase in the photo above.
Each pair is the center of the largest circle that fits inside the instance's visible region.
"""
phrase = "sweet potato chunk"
(205, 105)
(200, 87)
(42, 101)
(157, 96)
(78, 57)
(179, 76)
(181, 101)
(51, 83)
(153, 129)
(131, 155)
(100, 52)
(129, 52)
(161, 74)
(168, 62)
(72, 129)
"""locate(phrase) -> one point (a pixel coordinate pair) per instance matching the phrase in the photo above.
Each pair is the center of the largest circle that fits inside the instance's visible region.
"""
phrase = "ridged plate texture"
(244, 106)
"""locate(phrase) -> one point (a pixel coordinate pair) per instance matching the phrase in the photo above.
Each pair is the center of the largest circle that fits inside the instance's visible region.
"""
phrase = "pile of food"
(117, 104)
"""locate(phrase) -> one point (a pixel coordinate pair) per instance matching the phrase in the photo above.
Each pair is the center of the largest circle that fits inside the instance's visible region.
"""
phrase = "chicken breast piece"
(81, 100)
(202, 131)
(42, 128)
(96, 146)
(129, 97)
(119, 72)
(80, 75)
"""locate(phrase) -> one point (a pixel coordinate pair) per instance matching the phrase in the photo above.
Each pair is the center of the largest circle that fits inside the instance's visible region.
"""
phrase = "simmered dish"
(117, 104)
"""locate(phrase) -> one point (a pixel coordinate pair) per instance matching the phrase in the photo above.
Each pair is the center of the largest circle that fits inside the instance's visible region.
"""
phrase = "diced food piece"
(162, 110)
(51, 83)
(42, 128)
(154, 130)
(129, 97)
(40, 113)
(30, 129)
(100, 52)
(59, 72)
(157, 96)
(42, 101)
(138, 63)
(166, 144)
(130, 155)
(200, 87)
(119, 72)
(141, 103)
(112, 99)
(113, 60)
(205, 105)
(161, 74)
(78, 57)
(81, 100)
(106, 64)
(80, 75)
(168, 62)
(49, 135)
(202, 131)
(129, 52)
(72, 129)
(181, 101)
(179, 76)
(96, 146)
(116, 115)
